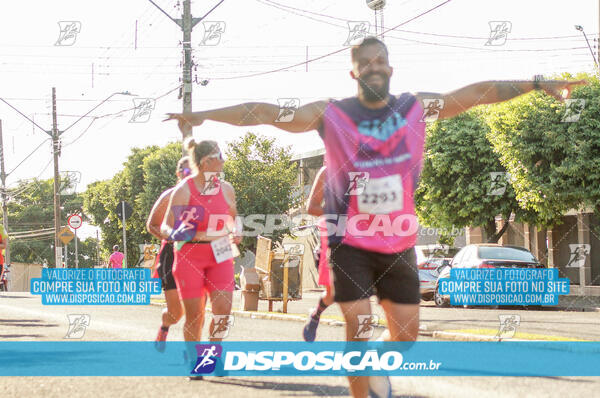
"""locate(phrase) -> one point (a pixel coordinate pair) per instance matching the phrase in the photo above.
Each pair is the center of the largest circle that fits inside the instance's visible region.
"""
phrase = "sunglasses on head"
(186, 171)
(217, 155)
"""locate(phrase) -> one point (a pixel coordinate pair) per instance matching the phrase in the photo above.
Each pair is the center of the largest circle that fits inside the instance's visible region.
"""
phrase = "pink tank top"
(212, 206)
(374, 159)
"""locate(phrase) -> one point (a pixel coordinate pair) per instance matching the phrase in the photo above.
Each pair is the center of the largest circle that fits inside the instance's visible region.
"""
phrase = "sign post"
(124, 211)
(75, 222)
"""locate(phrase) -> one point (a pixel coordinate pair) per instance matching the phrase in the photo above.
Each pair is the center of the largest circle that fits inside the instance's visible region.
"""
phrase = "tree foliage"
(145, 175)
(263, 177)
(454, 190)
(31, 208)
(554, 163)
(261, 173)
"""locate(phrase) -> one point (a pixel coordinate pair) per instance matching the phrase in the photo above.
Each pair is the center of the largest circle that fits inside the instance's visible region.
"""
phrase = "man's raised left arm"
(490, 92)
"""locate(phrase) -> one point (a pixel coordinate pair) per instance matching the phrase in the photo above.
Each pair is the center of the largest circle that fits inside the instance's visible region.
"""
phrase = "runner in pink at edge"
(373, 150)
(116, 258)
(199, 219)
(315, 208)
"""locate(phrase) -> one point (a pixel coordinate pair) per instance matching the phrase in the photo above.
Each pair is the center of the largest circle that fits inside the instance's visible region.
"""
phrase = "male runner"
(379, 137)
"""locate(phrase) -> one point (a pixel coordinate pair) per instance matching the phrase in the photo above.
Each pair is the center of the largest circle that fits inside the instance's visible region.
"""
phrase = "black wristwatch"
(536, 81)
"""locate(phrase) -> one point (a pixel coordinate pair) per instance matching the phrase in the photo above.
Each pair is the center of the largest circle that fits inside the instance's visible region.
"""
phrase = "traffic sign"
(75, 221)
(128, 210)
(66, 235)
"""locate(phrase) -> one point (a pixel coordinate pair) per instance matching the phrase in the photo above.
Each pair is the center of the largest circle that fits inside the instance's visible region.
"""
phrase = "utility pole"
(186, 23)
(187, 63)
(124, 233)
(4, 209)
(97, 249)
(55, 135)
(55, 149)
(76, 251)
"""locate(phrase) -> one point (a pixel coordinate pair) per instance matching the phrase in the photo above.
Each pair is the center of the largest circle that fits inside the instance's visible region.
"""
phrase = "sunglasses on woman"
(217, 155)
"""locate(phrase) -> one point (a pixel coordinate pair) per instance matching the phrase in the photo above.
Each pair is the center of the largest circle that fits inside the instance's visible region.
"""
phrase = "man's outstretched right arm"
(306, 118)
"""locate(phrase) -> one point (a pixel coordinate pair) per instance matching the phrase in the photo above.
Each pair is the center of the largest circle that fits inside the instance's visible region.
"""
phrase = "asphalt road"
(22, 317)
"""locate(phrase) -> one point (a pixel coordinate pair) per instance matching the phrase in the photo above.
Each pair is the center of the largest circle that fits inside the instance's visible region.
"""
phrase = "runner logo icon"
(207, 358)
(358, 182)
(366, 325)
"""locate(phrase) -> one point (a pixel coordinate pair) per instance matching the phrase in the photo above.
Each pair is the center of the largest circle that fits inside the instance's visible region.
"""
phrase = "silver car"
(429, 271)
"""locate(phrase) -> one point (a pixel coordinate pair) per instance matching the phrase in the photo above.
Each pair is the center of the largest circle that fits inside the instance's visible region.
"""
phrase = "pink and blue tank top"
(374, 159)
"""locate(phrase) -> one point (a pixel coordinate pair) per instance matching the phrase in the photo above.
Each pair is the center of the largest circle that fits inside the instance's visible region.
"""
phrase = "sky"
(438, 51)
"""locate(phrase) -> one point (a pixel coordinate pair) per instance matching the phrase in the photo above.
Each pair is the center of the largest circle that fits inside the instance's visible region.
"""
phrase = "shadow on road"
(17, 297)
(313, 389)
(27, 323)
(17, 336)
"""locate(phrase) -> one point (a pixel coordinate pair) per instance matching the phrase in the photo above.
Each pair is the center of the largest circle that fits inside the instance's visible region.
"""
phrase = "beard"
(374, 93)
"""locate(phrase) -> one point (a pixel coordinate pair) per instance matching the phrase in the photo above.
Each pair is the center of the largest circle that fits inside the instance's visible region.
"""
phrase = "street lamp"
(94, 108)
(580, 28)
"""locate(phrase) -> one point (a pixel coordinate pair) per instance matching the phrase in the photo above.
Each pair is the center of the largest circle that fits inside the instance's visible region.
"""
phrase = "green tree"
(146, 173)
(264, 179)
(159, 173)
(31, 208)
(455, 187)
(554, 163)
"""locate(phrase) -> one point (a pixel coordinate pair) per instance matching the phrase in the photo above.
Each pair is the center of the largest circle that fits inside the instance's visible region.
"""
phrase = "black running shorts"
(359, 274)
(165, 267)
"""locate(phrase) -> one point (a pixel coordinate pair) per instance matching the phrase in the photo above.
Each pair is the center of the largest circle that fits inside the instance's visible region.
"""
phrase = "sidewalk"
(579, 303)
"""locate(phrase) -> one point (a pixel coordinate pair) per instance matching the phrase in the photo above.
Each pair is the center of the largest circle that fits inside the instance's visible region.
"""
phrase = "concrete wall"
(595, 250)
(562, 236)
(21, 275)
(514, 235)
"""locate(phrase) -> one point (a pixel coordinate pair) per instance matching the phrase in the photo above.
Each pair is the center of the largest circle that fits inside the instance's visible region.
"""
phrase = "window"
(505, 253)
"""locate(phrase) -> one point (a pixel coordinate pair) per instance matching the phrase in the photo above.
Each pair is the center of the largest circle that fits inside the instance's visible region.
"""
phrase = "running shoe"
(161, 340)
(310, 329)
(380, 387)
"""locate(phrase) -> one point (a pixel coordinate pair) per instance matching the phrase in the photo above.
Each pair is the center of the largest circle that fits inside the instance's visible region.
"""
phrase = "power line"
(116, 114)
(279, 5)
(21, 113)
(417, 41)
(28, 156)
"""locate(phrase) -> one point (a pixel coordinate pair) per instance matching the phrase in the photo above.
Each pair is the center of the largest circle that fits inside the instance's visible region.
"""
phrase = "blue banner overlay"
(503, 286)
(64, 286)
(285, 358)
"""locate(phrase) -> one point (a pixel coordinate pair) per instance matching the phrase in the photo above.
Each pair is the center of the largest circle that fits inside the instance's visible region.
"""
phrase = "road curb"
(454, 336)
(579, 309)
(435, 334)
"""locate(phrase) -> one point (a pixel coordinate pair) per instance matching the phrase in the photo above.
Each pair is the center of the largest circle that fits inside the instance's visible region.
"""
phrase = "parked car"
(485, 255)
(428, 275)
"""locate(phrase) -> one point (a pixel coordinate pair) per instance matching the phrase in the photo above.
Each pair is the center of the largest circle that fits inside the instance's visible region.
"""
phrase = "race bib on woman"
(222, 249)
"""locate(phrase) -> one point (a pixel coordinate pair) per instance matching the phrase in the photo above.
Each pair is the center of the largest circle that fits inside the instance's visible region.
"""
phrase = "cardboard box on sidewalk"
(249, 280)
(250, 287)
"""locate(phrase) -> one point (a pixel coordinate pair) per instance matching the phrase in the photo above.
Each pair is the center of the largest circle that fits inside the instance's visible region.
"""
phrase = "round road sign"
(75, 221)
